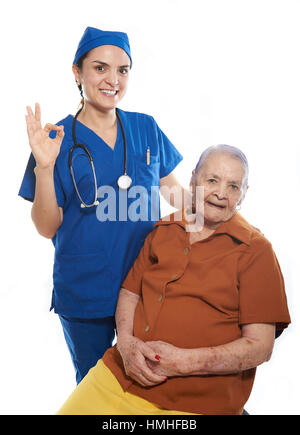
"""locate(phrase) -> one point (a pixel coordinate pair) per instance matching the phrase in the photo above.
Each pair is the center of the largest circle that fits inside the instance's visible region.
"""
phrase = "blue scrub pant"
(87, 340)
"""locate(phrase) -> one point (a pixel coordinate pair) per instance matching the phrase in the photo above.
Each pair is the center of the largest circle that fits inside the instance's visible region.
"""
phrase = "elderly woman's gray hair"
(225, 149)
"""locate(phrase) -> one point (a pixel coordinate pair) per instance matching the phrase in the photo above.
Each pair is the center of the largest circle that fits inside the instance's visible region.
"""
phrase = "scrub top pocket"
(147, 175)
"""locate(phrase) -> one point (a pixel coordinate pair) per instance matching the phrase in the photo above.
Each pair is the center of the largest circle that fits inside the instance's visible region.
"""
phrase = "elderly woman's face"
(222, 177)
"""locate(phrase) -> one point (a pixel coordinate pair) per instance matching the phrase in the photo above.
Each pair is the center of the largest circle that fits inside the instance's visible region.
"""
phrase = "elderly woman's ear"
(243, 196)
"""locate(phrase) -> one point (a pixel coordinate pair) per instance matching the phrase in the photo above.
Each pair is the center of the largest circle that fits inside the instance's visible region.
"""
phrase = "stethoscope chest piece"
(124, 182)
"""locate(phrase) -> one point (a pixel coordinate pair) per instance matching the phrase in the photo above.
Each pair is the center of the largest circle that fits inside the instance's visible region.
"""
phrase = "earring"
(238, 207)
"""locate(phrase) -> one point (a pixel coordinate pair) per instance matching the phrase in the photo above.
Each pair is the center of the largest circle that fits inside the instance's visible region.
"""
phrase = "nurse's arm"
(133, 350)
(173, 192)
(45, 213)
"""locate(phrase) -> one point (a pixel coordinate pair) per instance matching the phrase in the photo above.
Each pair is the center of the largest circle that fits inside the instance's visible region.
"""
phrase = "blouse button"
(186, 251)
(147, 328)
(160, 298)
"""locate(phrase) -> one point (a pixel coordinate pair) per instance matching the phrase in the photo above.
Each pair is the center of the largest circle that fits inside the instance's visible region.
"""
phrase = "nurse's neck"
(97, 119)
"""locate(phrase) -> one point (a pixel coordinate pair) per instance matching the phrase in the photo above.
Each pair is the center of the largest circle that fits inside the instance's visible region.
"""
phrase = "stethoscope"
(124, 181)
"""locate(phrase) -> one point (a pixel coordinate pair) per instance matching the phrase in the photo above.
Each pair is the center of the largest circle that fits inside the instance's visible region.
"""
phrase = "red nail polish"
(157, 357)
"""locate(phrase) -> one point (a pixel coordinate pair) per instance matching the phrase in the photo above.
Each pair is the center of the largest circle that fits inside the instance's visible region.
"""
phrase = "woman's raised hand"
(44, 149)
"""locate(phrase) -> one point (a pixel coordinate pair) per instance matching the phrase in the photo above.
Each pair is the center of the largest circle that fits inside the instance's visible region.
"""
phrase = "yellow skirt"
(99, 393)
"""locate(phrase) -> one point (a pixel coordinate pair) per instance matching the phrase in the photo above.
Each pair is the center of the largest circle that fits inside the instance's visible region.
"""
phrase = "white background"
(217, 71)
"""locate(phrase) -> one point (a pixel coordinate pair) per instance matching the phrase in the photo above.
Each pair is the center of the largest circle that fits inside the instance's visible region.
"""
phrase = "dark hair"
(81, 59)
(79, 65)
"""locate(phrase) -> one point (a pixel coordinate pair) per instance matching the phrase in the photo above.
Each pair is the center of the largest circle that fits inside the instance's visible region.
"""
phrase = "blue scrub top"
(92, 256)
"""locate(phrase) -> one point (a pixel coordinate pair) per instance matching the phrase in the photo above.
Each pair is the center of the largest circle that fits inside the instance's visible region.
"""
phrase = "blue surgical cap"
(93, 38)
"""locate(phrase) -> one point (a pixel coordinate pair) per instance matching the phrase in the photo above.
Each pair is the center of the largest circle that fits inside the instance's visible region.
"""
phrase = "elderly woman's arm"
(252, 349)
(132, 350)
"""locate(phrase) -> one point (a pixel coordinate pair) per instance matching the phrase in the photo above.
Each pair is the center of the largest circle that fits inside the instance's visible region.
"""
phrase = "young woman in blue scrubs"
(93, 255)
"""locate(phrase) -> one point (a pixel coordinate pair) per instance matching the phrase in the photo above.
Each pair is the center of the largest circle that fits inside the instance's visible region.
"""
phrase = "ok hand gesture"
(44, 149)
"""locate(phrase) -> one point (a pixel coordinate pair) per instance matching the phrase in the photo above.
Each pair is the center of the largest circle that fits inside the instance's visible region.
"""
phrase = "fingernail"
(157, 357)
(166, 379)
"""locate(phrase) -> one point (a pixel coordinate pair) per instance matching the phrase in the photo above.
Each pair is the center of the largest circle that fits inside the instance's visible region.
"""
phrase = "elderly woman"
(198, 311)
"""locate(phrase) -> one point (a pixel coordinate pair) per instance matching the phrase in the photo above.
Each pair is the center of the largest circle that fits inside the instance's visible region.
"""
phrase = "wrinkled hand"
(44, 149)
(134, 353)
(173, 360)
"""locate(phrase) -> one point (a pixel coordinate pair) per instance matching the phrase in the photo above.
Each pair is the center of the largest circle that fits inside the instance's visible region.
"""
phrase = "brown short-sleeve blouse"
(200, 295)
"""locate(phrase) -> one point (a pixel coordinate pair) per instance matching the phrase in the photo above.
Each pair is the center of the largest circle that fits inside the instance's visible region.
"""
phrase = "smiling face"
(104, 76)
(223, 179)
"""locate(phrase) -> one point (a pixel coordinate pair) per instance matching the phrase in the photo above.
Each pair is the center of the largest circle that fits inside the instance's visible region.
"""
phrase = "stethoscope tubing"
(77, 145)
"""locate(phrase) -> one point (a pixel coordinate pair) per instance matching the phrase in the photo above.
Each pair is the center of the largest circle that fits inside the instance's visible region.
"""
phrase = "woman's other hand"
(172, 360)
(44, 149)
(134, 353)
